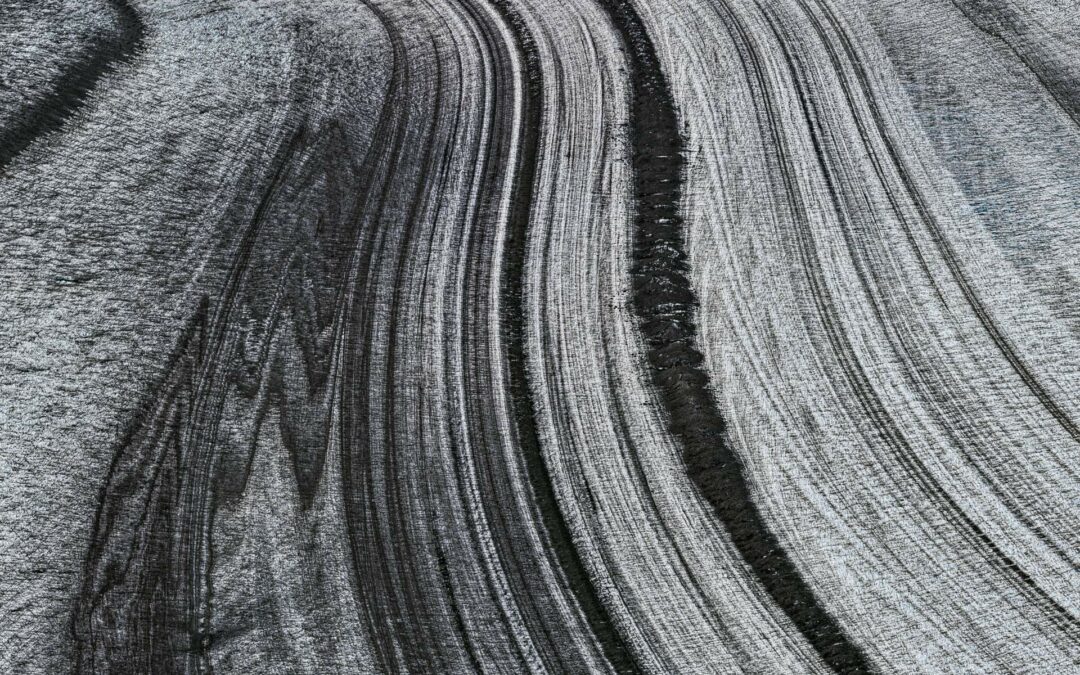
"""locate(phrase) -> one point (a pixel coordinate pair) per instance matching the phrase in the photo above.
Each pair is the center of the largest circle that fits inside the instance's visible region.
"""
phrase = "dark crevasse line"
(611, 642)
(459, 624)
(665, 304)
(48, 113)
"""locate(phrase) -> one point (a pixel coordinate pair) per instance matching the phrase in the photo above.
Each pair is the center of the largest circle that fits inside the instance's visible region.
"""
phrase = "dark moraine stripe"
(513, 318)
(665, 304)
(48, 113)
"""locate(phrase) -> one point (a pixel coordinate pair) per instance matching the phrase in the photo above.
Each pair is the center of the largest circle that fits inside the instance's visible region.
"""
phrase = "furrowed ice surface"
(903, 404)
(616, 336)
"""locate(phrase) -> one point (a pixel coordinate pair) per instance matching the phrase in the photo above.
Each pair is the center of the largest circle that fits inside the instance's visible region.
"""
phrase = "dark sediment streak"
(665, 303)
(48, 113)
(615, 649)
